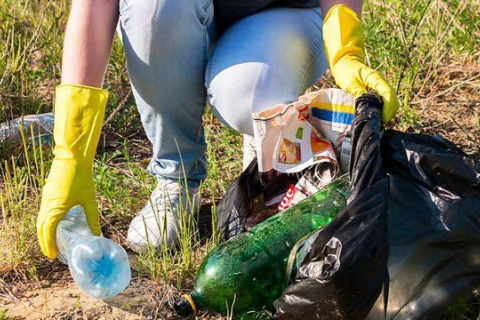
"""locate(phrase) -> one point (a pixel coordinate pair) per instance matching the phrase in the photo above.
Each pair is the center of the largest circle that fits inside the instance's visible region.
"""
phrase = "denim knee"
(238, 91)
(166, 46)
(251, 71)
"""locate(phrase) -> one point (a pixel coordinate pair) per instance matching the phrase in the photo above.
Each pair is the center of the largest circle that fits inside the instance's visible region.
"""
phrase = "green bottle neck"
(186, 305)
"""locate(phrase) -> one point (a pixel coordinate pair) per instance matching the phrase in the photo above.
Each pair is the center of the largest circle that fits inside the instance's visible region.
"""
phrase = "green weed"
(460, 309)
(29, 50)
(22, 177)
(224, 156)
(3, 314)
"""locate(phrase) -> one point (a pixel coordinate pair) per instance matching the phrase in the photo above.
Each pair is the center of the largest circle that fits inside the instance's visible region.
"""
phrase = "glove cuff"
(79, 114)
(342, 34)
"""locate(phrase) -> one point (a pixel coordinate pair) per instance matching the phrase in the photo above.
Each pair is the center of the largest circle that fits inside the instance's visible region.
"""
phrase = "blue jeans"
(177, 59)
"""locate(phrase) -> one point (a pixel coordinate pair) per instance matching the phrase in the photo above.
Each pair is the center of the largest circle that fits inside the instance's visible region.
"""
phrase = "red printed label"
(291, 198)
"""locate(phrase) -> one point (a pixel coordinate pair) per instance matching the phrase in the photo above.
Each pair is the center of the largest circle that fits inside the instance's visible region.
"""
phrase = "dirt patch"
(64, 300)
(56, 296)
(61, 299)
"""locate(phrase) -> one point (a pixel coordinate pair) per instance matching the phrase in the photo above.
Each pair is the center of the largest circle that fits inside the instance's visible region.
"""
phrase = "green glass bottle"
(248, 272)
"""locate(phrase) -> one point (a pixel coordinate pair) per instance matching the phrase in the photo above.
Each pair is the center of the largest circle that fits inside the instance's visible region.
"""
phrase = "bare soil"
(63, 300)
(56, 296)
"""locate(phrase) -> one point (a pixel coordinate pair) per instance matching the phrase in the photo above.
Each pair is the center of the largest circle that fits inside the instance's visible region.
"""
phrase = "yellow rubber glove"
(79, 113)
(345, 50)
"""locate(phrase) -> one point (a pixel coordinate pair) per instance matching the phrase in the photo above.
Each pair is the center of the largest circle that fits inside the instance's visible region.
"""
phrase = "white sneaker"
(158, 221)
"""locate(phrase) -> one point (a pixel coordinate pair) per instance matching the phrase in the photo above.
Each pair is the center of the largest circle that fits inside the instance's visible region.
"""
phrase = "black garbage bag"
(243, 205)
(433, 224)
(433, 212)
(238, 202)
(344, 269)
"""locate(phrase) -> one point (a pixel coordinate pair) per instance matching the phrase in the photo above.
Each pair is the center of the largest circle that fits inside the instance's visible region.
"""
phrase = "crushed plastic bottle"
(99, 266)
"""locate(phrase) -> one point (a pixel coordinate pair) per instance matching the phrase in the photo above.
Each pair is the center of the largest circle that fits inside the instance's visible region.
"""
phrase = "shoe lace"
(167, 191)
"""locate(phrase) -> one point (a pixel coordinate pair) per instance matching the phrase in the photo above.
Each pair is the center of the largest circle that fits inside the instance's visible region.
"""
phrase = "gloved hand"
(345, 50)
(79, 113)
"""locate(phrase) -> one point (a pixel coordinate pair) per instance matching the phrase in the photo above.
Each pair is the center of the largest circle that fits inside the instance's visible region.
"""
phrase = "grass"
(461, 309)
(429, 51)
(417, 38)
(3, 313)
(22, 177)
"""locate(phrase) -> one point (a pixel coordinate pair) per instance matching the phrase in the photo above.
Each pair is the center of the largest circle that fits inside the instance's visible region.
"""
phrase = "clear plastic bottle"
(99, 266)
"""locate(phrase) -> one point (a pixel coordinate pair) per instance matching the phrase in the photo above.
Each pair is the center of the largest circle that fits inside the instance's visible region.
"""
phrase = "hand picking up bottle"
(98, 265)
(79, 113)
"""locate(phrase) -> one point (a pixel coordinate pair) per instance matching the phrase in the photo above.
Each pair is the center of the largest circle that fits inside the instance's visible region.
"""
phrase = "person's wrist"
(340, 6)
(79, 86)
(74, 158)
(343, 35)
(347, 75)
(347, 64)
(66, 172)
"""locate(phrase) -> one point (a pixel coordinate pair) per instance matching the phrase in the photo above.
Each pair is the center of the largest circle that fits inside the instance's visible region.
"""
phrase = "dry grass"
(450, 103)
